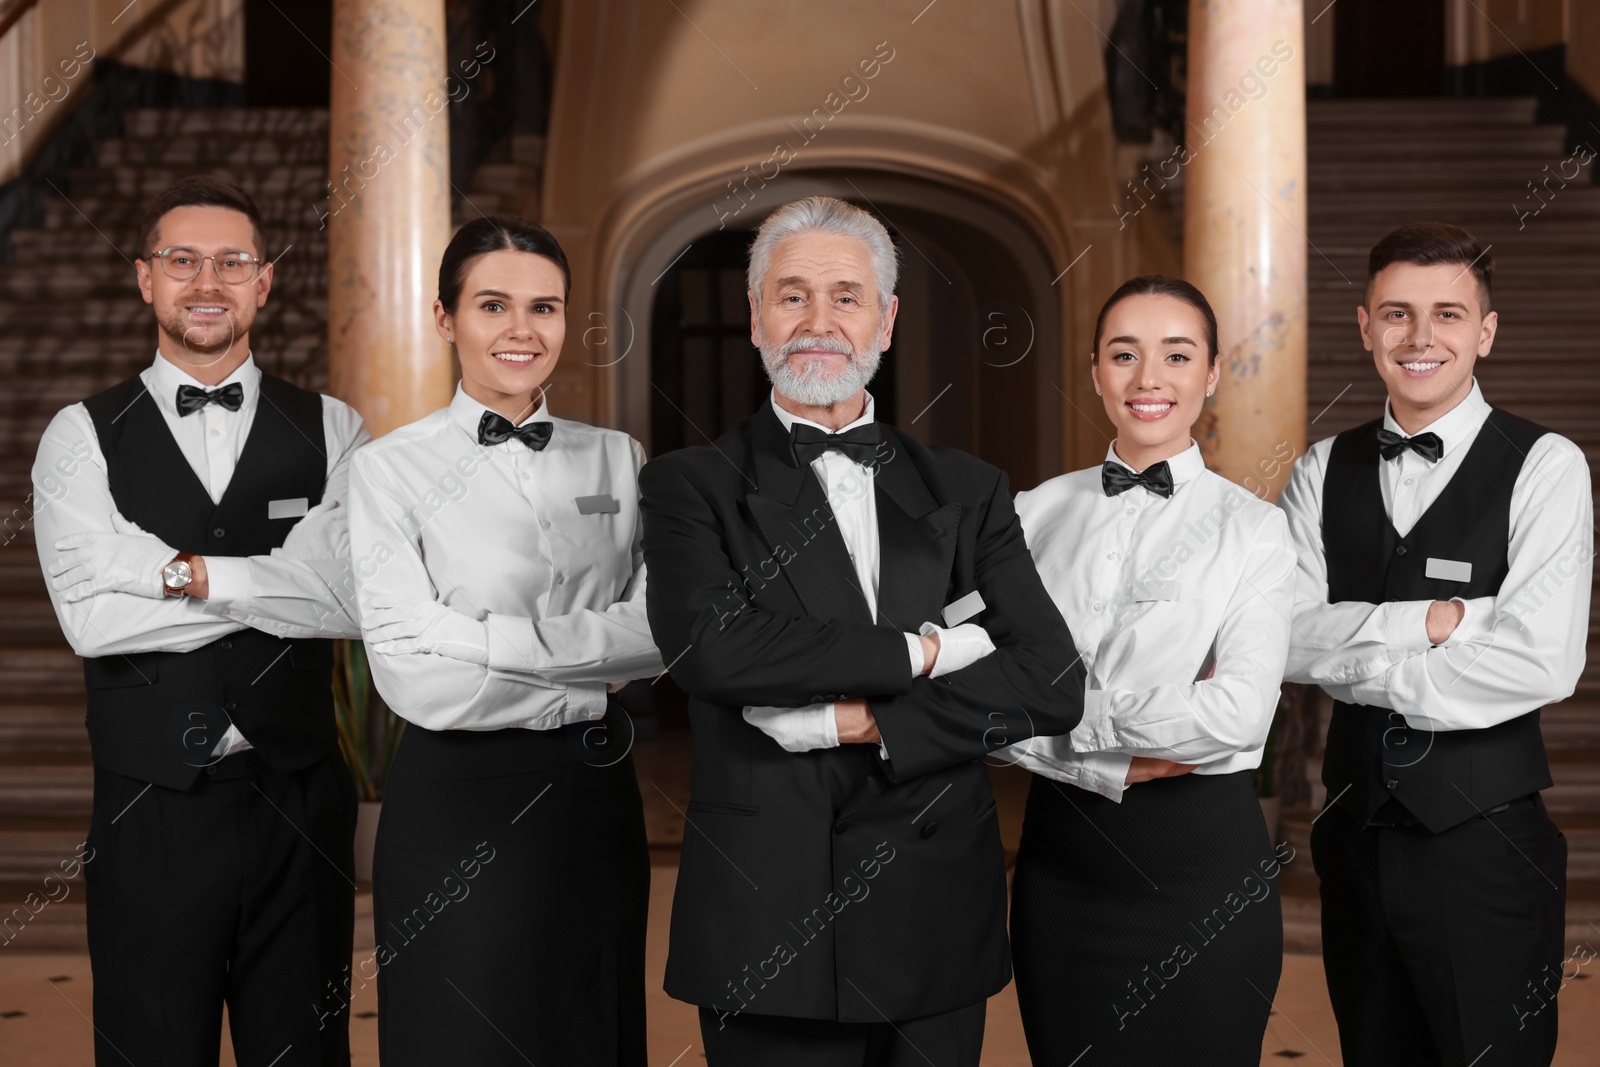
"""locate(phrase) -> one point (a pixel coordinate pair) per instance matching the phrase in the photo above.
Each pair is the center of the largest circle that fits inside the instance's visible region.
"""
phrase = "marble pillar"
(1245, 231)
(387, 209)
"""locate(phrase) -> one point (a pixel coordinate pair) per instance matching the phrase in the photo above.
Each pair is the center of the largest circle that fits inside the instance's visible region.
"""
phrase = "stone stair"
(72, 323)
(1373, 165)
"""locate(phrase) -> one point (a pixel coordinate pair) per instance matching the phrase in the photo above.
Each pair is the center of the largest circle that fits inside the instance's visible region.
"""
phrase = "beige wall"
(658, 110)
(42, 59)
(1583, 45)
(1517, 24)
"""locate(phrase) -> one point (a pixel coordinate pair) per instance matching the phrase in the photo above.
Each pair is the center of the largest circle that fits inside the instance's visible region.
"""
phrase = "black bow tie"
(806, 443)
(1426, 445)
(494, 429)
(191, 398)
(1116, 479)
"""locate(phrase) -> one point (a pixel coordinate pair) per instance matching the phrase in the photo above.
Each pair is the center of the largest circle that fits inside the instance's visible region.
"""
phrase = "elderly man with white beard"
(858, 622)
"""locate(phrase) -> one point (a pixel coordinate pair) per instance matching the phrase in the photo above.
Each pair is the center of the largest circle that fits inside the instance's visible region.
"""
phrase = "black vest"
(1371, 756)
(157, 716)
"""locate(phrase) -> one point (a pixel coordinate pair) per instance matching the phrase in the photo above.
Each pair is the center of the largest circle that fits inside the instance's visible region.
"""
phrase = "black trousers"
(948, 1039)
(239, 891)
(1438, 947)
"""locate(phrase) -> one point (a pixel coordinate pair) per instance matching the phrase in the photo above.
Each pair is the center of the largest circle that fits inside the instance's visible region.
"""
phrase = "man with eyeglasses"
(190, 529)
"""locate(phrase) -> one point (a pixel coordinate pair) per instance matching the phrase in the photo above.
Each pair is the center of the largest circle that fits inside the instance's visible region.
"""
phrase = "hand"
(930, 651)
(1443, 618)
(199, 585)
(399, 628)
(855, 723)
(1147, 768)
(125, 560)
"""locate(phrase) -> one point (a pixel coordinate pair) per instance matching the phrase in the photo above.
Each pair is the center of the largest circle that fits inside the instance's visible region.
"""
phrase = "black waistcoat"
(1447, 777)
(156, 716)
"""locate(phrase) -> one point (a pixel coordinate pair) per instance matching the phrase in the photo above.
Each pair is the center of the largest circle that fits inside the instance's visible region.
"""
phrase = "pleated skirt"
(510, 888)
(1150, 931)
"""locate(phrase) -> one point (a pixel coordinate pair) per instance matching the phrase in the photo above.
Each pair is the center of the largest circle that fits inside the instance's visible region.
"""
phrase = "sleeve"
(1229, 712)
(613, 645)
(304, 588)
(720, 647)
(1334, 645)
(1032, 684)
(72, 494)
(1105, 773)
(438, 692)
(1532, 651)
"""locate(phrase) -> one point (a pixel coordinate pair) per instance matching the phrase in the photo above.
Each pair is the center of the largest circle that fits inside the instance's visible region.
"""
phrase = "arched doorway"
(975, 358)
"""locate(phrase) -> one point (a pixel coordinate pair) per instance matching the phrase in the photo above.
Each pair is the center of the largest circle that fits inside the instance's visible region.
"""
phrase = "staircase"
(72, 323)
(1373, 165)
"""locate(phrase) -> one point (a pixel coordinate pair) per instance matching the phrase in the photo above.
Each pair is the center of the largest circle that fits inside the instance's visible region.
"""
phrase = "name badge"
(961, 609)
(1449, 570)
(1154, 591)
(288, 509)
(603, 504)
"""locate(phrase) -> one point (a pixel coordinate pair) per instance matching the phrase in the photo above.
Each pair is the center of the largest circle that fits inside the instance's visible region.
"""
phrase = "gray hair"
(826, 214)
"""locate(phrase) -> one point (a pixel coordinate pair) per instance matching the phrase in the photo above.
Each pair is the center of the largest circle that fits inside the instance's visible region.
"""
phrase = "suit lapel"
(791, 509)
(917, 542)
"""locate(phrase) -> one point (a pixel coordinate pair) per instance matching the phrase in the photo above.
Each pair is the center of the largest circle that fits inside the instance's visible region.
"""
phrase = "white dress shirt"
(538, 553)
(302, 589)
(1180, 609)
(1513, 652)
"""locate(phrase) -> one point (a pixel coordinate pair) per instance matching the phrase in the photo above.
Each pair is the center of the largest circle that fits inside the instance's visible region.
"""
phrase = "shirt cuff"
(1477, 620)
(510, 640)
(229, 582)
(1405, 627)
(1095, 730)
(586, 702)
(1105, 773)
(918, 660)
(959, 646)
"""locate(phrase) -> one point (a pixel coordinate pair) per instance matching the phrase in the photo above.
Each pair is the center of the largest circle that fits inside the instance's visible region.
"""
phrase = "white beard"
(812, 383)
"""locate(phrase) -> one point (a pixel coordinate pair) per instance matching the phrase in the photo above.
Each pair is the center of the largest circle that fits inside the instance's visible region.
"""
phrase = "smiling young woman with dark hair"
(1145, 896)
(501, 585)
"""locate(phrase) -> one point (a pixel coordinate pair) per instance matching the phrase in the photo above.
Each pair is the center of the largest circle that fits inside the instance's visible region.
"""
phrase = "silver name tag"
(1449, 570)
(961, 609)
(603, 504)
(288, 509)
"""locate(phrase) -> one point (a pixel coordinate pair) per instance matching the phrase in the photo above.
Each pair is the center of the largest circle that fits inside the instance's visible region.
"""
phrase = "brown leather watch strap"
(181, 557)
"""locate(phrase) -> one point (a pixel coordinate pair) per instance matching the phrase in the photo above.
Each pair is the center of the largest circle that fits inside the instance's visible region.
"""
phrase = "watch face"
(177, 574)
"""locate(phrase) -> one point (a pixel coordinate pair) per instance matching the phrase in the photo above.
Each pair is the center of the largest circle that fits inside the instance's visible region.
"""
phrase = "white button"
(1128, 512)
(560, 578)
(1410, 480)
(545, 523)
(1112, 556)
(1098, 606)
(215, 432)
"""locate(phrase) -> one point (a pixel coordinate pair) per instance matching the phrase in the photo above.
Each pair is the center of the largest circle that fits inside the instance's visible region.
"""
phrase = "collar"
(789, 418)
(1455, 426)
(166, 376)
(466, 412)
(1185, 466)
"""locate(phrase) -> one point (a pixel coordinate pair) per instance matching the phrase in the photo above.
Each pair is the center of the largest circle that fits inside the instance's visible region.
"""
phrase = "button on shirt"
(495, 533)
(1511, 653)
(302, 589)
(1180, 609)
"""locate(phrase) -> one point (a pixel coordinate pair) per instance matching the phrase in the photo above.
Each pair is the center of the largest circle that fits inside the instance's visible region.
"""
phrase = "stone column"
(387, 209)
(1245, 232)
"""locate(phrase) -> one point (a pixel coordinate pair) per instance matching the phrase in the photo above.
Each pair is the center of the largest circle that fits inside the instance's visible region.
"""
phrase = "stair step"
(231, 123)
(53, 790)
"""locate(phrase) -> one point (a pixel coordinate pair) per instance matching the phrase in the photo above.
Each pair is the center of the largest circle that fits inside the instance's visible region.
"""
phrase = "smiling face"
(1153, 370)
(204, 323)
(819, 320)
(1426, 331)
(508, 328)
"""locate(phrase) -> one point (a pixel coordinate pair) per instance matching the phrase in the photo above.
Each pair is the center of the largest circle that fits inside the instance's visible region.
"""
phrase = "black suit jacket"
(835, 884)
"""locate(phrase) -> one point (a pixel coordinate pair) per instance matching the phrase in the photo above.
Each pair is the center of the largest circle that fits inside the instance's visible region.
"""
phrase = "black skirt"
(510, 887)
(1148, 931)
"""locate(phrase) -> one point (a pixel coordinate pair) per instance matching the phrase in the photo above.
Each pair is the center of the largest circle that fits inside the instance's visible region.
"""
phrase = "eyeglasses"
(185, 264)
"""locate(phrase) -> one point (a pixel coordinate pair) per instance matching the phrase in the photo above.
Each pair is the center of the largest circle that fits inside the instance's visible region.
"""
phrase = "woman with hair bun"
(1145, 921)
(501, 586)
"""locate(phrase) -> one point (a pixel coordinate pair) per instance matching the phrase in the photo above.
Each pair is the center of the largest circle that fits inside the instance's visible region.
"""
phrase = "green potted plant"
(369, 733)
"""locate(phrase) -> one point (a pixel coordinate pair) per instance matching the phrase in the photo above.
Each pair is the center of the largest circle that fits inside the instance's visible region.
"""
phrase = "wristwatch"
(176, 576)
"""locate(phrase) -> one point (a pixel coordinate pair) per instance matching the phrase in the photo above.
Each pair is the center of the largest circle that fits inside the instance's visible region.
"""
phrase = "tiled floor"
(44, 1006)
